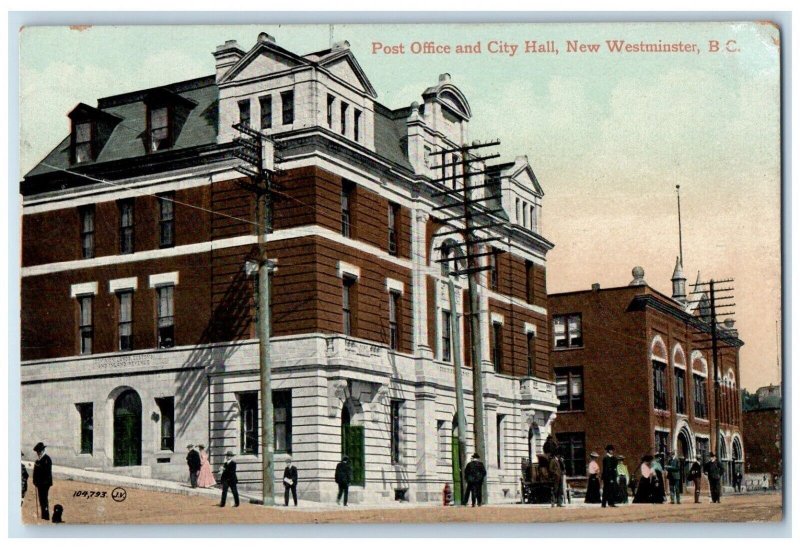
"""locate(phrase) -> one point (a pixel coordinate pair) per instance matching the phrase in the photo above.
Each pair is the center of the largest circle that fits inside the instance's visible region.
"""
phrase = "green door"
(457, 491)
(353, 445)
(128, 429)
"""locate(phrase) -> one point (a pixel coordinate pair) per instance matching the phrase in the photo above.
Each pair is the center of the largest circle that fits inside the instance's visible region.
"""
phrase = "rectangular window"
(356, 124)
(125, 226)
(497, 345)
(529, 281)
(87, 231)
(394, 214)
(501, 440)
(518, 210)
(159, 129)
(287, 106)
(166, 220)
(680, 391)
(125, 326)
(531, 349)
(329, 111)
(567, 331)
(347, 191)
(446, 346)
(166, 409)
(573, 448)
(700, 398)
(83, 142)
(569, 389)
(396, 432)
(282, 419)
(248, 422)
(347, 311)
(494, 277)
(244, 112)
(86, 411)
(394, 324)
(85, 328)
(343, 111)
(659, 385)
(662, 442)
(703, 448)
(166, 318)
(265, 102)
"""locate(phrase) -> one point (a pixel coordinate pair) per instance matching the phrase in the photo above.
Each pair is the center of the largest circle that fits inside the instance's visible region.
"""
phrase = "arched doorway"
(683, 452)
(737, 464)
(127, 429)
(724, 459)
(353, 442)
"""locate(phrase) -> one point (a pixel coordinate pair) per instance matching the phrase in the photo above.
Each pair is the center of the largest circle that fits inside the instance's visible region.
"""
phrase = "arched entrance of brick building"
(127, 429)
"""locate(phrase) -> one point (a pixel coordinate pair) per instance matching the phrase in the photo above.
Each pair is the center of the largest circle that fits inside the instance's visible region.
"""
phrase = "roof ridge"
(138, 95)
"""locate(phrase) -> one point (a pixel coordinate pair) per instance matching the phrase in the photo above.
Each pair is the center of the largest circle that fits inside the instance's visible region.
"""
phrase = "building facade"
(633, 368)
(762, 422)
(139, 314)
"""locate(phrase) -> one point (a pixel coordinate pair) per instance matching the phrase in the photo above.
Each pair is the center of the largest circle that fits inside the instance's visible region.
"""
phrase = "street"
(146, 507)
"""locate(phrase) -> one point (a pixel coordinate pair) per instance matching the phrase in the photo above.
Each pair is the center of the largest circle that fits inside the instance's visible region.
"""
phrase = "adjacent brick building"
(633, 368)
(138, 314)
(763, 434)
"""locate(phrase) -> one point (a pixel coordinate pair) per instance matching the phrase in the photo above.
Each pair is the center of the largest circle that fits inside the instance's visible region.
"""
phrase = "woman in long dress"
(643, 488)
(657, 491)
(622, 480)
(593, 486)
(206, 478)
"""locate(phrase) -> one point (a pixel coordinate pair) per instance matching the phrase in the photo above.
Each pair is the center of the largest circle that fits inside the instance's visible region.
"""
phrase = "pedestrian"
(229, 480)
(474, 473)
(737, 481)
(556, 474)
(674, 475)
(609, 477)
(24, 479)
(657, 492)
(343, 477)
(193, 461)
(622, 480)
(695, 475)
(550, 446)
(42, 478)
(644, 486)
(205, 478)
(593, 482)
(289, 482)
(714, 471)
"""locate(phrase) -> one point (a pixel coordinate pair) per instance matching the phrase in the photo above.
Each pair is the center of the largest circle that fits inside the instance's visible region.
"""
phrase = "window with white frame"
(85, 326)
(125, 325)
(567, 331)
(166, 316)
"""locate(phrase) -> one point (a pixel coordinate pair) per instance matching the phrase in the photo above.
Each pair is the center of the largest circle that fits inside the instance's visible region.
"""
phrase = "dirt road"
(145, 507)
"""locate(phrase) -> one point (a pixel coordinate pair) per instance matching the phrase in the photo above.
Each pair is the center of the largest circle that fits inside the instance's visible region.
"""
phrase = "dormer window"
(82, 142)
(158, 122)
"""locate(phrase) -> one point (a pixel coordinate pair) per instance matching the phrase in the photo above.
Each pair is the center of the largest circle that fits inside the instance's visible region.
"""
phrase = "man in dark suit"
(289, 482)
(609, 477)
(474, 473)
(43, 478)
(193, 461)
(343, 478)
(674, 471)
(714, 470)
(229, 479)
(24, 482)
(695, 475)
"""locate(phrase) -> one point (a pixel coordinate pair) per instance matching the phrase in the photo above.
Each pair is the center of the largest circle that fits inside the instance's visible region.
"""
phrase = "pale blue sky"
(609, 135)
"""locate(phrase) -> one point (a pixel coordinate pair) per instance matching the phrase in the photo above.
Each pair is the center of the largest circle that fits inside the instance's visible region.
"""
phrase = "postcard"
(400, 273)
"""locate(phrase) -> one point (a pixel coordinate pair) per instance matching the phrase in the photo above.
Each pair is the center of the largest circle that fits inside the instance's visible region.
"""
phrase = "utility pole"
(258, 152)
(470, 215)
(461, 416)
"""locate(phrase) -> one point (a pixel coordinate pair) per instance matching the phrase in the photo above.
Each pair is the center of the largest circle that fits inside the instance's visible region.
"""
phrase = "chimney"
(226, 56)
(678, 282)
(596, 287)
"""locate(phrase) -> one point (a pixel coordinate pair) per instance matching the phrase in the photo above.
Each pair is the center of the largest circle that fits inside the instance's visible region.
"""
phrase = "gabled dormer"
(522, 193)
(90, 130)
(166, 113)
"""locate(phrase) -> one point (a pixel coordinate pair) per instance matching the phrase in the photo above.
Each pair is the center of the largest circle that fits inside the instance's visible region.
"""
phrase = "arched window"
(658, 359)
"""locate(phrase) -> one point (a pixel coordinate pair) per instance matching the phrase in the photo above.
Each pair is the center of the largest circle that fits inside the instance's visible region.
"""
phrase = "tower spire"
(680, 231)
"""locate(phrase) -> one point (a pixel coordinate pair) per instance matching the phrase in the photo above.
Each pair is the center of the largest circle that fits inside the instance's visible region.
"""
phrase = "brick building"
(763, 434)
(138, 315)
(633, 369)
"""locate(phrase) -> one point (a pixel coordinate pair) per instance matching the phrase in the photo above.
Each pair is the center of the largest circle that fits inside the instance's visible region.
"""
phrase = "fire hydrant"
(447, 495)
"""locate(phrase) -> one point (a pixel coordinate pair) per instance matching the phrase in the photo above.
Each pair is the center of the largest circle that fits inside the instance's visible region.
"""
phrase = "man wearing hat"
(474, 473)
(695, 474)
(609, 477)
(675, 481)
(343, 477)
(194, 463)
(43, 478)
(714, 470)
(289, 482)
(229, 479)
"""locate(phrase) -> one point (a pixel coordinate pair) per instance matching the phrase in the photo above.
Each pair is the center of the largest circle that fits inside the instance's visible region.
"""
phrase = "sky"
(609, 135)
